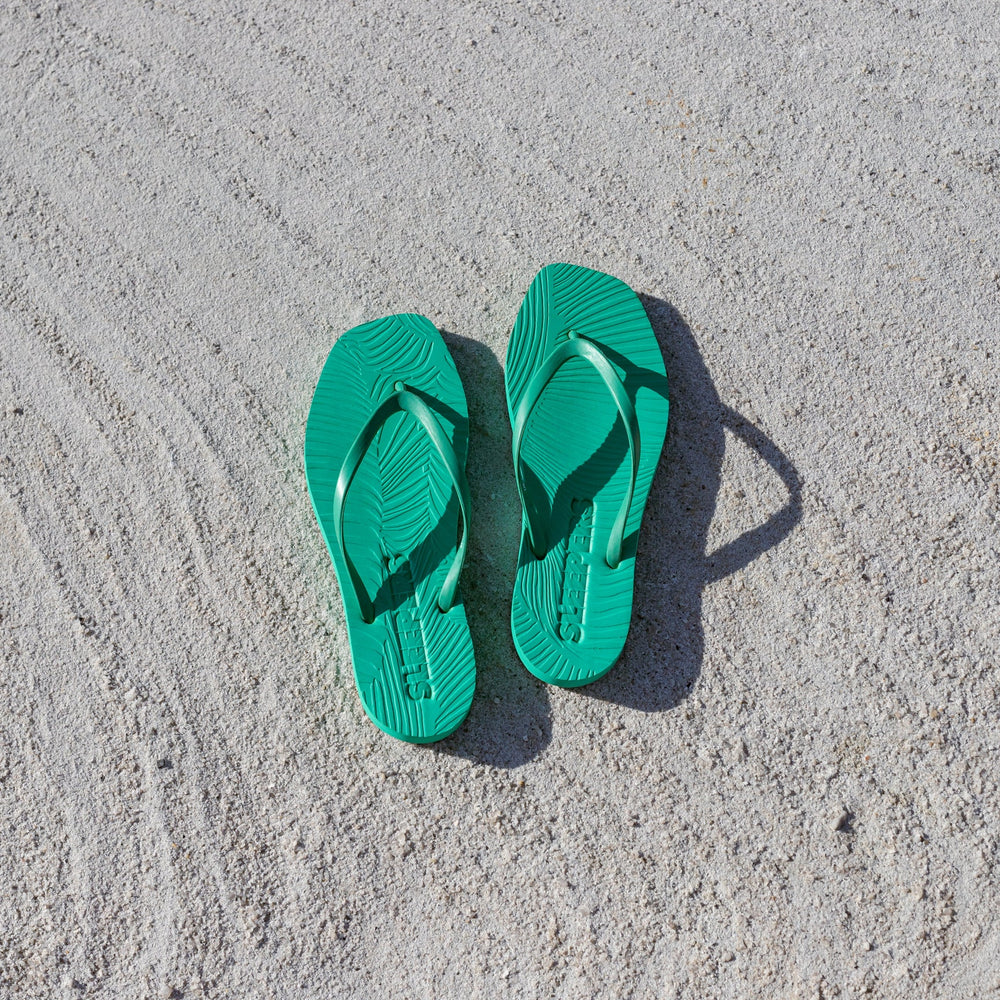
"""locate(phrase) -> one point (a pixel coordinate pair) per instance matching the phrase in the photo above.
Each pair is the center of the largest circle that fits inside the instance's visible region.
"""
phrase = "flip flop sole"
(413, 664)
(570, 609)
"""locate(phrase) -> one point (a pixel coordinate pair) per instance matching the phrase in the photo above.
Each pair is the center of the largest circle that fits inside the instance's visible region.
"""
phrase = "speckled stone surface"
(789, 785)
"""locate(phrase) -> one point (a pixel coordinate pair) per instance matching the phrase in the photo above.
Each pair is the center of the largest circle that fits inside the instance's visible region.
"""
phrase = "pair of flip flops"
(385, 451)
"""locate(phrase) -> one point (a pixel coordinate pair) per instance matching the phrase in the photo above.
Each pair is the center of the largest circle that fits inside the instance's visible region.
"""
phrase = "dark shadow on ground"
(509, 723)
(664, 650)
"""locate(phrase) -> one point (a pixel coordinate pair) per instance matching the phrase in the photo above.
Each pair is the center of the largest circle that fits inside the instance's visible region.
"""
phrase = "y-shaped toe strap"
(401, 400)
(577, 347)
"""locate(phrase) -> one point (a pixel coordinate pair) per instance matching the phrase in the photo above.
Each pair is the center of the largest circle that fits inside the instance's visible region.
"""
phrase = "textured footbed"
(414, 665)
(570, 612)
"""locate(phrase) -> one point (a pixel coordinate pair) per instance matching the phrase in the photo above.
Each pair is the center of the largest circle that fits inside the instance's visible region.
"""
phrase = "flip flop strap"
(577, 347)
(402, 400)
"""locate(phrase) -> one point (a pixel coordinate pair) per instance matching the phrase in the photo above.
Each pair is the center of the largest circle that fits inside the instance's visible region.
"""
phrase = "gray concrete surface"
(789, 785)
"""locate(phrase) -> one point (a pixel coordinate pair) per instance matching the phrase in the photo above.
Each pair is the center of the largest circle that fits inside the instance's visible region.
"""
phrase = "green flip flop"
(588, 404)
(385, 450)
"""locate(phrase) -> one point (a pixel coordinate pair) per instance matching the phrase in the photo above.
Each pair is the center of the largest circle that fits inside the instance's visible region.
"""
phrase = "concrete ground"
(788, 787)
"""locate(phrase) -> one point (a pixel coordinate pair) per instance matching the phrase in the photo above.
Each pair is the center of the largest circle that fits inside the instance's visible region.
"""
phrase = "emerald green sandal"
(385, 450)
(587, 398)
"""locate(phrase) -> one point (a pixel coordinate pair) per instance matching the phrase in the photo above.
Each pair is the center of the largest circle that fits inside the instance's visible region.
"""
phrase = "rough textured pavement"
(789, 785)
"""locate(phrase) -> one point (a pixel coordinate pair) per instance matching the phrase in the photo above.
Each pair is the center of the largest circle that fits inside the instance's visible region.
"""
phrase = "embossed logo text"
(576, 566)
(406, 622)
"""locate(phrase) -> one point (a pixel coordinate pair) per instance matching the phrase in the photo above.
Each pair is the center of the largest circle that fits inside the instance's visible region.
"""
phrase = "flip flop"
(588, 404)
(385, 450)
